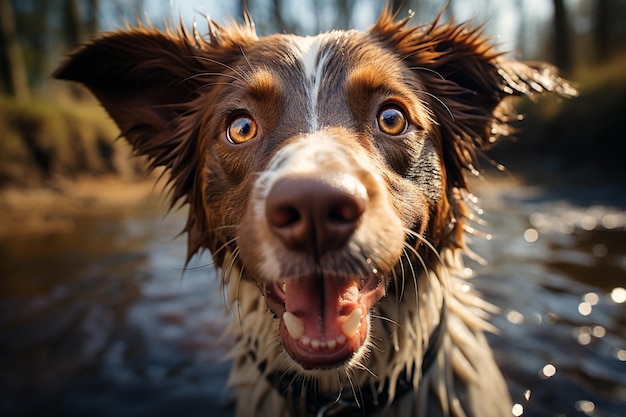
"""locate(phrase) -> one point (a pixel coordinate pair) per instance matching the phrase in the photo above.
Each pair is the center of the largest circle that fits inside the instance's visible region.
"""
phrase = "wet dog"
(327, 176)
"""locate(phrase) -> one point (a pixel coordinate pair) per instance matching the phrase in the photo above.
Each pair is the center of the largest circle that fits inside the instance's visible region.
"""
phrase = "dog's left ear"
(466, 81)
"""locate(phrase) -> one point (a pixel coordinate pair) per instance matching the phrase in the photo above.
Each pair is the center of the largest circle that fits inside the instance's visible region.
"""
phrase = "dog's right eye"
(241, 129)
(392, 121)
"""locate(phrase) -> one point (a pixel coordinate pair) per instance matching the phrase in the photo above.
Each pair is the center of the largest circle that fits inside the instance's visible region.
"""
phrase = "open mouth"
(324, 318)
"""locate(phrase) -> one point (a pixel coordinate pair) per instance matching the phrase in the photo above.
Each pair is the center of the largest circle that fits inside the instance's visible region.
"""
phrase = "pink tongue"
(319, 302)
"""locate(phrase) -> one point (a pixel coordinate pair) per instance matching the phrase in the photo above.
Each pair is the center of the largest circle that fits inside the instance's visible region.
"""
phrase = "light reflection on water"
(102, 321)
(558, 269)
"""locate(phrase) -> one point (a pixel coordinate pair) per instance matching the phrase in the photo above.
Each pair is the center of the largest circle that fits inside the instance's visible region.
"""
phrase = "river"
(101, 320)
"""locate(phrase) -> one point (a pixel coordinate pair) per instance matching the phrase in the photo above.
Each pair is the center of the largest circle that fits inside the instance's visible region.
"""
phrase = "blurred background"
(99, 316)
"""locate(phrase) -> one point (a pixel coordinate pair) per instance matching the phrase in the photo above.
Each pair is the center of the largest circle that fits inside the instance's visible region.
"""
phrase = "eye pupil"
(243, 126)
(241, 129)
(392, 121)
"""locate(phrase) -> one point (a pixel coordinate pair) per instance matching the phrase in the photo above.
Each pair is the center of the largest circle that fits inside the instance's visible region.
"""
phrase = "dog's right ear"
(148, 81)
(144, 78)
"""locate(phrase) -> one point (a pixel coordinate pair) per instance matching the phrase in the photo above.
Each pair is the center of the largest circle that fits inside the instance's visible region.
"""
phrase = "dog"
(328, 177)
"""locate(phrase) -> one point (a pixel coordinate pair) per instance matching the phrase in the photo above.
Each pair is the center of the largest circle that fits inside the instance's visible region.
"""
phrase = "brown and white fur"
(327, 176)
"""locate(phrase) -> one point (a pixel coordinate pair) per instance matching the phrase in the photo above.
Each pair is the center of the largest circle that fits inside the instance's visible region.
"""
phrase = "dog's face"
(336, 164)
(317, 164)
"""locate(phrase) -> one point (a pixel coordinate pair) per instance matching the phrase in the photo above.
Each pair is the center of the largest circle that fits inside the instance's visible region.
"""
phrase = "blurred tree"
(560, 41)
(13, 68)
(277, 8)
(344, 13)
(601, 30)
(73, 28)
(92, 16)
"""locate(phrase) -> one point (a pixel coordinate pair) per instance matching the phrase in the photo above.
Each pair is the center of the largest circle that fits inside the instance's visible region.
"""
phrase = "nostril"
(348, 211)
(283, 216)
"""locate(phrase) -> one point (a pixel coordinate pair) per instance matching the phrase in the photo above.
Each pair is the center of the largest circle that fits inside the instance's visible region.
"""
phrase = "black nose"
(315, 215)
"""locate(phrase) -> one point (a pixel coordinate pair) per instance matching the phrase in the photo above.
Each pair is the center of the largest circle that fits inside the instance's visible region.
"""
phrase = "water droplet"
(618, 295)
(547, 371)
(586, 407)
(599, 250)
(598, 331)
(591, 298)
(583, 334)
(538, 220)
(531, 235)
(552, 318)
(612, 221)
(527, 395)
(515, 317)
(566, 229)
(588, 222)
(584, 308)
(517, 410)
(535, 318)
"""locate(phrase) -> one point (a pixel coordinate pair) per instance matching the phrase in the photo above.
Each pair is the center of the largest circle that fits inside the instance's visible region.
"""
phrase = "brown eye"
(392, 121)
(242, 129)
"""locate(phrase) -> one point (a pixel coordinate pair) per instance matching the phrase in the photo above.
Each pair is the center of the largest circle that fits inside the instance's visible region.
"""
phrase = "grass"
(43, 139)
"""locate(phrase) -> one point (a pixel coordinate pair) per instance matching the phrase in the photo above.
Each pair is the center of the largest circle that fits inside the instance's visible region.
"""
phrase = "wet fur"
(168, 91)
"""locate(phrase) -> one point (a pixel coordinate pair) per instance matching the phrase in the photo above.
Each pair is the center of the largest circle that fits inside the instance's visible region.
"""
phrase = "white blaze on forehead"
(311, 153)
(307, 50)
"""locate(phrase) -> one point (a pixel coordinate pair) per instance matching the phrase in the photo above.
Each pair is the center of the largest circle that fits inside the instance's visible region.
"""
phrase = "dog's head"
(320, 165)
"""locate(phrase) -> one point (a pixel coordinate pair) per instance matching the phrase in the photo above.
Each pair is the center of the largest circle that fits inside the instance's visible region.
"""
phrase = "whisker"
(354, 390)
(437, 73)
(226, 245)
(422, 263)
(243, 53)
(387, 319)
(362, 367)
(237, 71)
(209, 74)
(339, 385)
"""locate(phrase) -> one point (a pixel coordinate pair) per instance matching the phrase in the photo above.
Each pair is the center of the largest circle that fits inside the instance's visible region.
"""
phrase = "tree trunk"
(601, 36)
(561, 44)
(92, 17)
(73, 24)
(14, 71)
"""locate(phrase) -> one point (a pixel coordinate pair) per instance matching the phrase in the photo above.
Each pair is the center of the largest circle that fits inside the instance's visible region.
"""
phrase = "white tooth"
(331, 344)
(323, 344)
(315, 344)
(341, 339)
(306, 341)
(294, 325)
(351, 325)
(283, 287)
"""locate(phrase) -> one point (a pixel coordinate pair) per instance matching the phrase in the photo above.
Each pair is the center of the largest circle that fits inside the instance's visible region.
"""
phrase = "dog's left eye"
(241, 129)
(392, 121)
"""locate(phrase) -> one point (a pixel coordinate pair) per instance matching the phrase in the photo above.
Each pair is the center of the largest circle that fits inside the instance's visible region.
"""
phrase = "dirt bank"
(46, 209)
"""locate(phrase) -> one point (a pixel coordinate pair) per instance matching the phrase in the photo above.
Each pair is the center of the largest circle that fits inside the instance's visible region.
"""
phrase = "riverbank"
(51, 209)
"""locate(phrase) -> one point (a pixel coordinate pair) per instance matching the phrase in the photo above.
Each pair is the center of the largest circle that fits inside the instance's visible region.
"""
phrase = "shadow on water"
(101, 321)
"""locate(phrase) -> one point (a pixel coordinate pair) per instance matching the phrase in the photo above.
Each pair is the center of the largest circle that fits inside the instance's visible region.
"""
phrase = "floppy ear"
(147, 80)
(467, 81)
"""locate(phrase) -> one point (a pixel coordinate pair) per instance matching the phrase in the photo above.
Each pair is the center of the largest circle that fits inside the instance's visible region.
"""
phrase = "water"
(99, 320)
